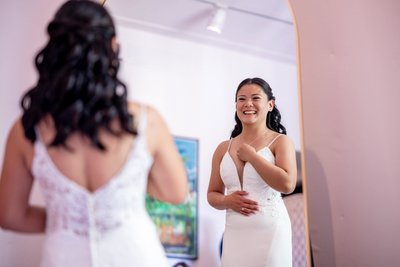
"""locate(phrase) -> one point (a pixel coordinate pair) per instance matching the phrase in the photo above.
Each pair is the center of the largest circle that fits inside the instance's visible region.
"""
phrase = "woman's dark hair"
(78, 85)
(273, 117)
(181, 264)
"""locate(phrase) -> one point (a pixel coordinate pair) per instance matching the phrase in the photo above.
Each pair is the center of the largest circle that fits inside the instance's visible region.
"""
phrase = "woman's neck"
(249, 135)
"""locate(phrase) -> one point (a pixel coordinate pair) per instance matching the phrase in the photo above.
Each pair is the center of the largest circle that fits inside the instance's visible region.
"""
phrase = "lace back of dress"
(72, 208)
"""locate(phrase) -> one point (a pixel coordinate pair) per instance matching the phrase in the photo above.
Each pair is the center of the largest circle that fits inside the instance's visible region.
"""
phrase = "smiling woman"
(249, 173)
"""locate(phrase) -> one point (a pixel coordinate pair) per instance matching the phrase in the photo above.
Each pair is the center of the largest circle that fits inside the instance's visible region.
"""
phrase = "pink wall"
(350, 71)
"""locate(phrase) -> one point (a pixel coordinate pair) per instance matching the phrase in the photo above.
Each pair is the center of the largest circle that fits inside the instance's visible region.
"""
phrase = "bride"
(249, 173)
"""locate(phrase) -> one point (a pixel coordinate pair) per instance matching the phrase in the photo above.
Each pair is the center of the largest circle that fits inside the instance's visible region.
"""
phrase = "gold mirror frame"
(303, 165)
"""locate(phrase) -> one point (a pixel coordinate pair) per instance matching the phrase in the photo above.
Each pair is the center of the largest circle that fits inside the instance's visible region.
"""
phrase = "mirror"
(171, 61)
(190, 74)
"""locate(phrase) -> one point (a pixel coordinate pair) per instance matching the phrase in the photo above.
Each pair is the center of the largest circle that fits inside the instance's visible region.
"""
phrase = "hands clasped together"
(238, 200)
(241, 204)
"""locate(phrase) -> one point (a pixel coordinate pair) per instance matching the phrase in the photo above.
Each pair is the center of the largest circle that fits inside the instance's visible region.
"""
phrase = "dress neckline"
(140, 137)
(227, 154)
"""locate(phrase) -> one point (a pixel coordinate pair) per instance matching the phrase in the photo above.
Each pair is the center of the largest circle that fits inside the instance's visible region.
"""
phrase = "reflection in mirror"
(171, 60)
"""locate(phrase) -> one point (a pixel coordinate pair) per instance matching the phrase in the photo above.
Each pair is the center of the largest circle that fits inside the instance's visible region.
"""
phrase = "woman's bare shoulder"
(222, 148)
(17, 141)
(224, 145)
(136, 107)
(17, 132)
(283, 140)
(282, 143)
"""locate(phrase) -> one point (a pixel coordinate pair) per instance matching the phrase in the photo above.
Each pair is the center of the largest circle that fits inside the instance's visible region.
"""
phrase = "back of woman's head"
(78, 84)
(273, 121)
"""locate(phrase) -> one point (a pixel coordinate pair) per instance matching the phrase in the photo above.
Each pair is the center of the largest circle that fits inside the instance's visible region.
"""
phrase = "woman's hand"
(245, 151)
(238, 202)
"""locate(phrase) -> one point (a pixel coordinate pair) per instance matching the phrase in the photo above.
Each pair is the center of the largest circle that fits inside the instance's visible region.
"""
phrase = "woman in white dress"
(93, 154)
(249, 173)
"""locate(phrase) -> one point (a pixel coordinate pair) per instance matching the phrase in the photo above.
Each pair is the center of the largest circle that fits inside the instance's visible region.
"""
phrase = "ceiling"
(259, 27)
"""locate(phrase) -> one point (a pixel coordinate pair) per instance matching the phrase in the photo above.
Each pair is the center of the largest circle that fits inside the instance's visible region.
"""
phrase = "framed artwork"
(177, 225)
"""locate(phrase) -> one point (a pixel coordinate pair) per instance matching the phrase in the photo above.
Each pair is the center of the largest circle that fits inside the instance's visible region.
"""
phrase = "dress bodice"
(70, 207)
(267, 233)
(107, 227)
(257, 188)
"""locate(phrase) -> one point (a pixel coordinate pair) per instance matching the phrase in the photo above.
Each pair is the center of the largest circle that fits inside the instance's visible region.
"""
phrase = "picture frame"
(177, 225)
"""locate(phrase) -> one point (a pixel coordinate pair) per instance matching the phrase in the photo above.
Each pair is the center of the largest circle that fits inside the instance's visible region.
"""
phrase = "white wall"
(191, 84)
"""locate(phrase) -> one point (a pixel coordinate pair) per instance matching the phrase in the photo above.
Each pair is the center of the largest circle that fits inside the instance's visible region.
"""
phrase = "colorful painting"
(177, 225)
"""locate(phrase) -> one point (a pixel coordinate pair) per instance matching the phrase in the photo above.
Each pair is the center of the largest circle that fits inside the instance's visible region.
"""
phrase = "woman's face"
(252, 104)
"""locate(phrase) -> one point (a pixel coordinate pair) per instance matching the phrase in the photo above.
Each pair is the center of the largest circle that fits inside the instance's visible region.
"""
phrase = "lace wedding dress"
(107, 227)
(263, 239)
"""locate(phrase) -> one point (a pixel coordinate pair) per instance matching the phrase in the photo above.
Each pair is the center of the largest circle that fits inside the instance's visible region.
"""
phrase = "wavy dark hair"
(273, 117)
(78, 84)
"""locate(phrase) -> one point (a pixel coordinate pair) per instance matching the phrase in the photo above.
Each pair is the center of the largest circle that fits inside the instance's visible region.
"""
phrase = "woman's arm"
(15, 186)
(216, 188)
(167, 178)
(283, 175)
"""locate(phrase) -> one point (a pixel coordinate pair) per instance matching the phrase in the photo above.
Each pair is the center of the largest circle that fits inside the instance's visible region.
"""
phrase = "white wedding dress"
(263, 239)
(109, 227)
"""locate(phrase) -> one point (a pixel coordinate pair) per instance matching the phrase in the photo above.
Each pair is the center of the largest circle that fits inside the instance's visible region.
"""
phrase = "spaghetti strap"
(273, 140)
(229, 147)
(142, 119)
(38, 135)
